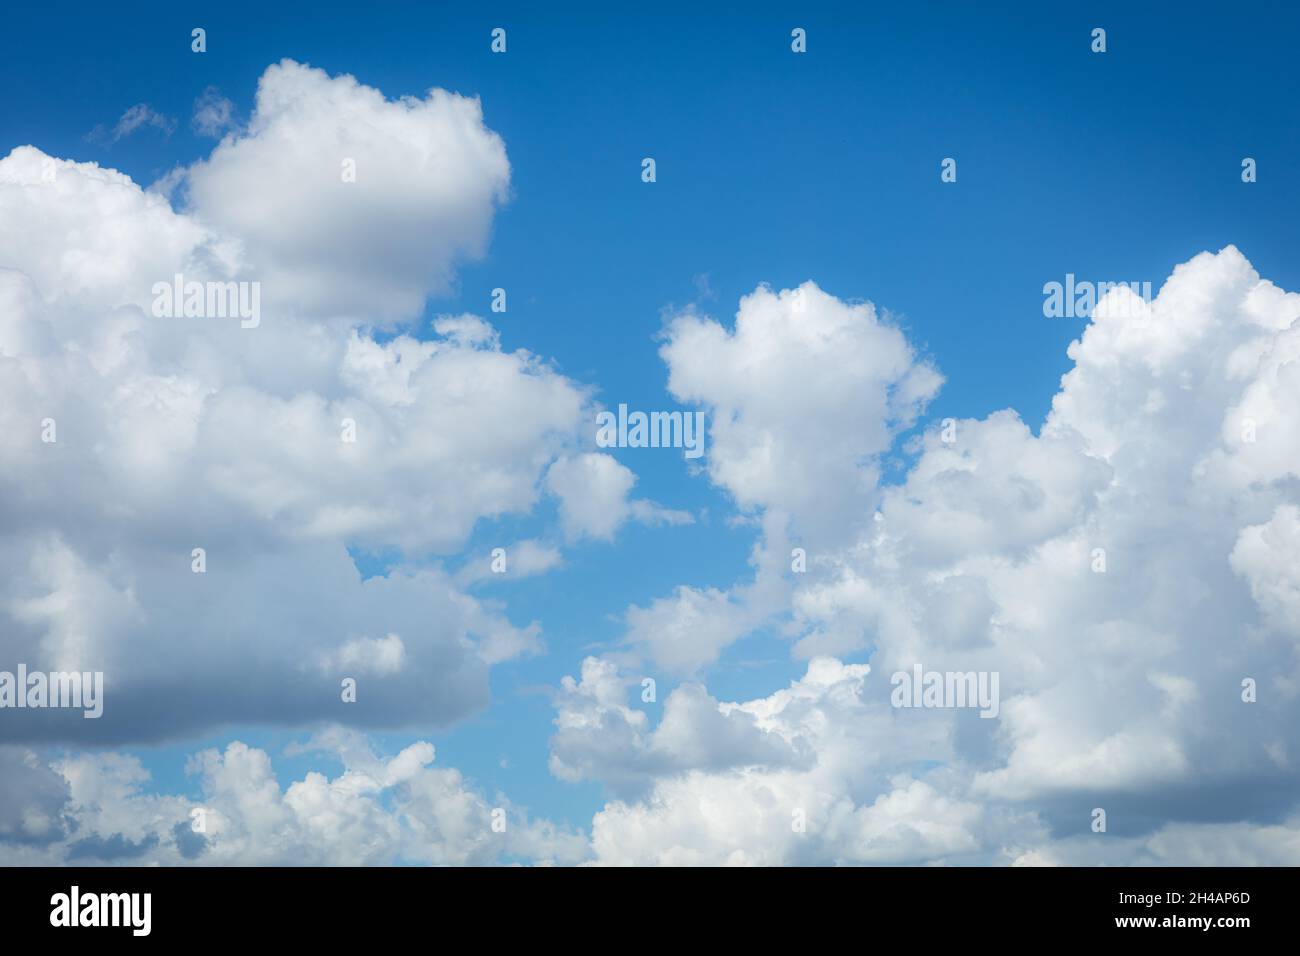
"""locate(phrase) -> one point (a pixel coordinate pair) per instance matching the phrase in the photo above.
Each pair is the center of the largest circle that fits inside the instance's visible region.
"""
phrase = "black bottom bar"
(332, 906)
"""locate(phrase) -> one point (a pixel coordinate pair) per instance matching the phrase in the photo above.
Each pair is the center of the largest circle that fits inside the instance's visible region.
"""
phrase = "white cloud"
(600, 737)
(133, 120)
(592, 490)
(380, 656)
(185, 433)
(377, 811)
(1268, 557)
(1170, 455)
(804, 396)
(1120, 682)
(801, 395)
(522, 559)
(50, 259)
(33, 798)
(1120, 689)
(690, 628)
(214, 115)
(429, 175)
(807, 775)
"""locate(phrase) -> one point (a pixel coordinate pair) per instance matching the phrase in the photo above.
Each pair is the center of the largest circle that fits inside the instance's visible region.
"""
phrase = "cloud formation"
(183, 500)
(134, 119)
(142, 450)
(395, 810)
(1126, 571)
(349, 204)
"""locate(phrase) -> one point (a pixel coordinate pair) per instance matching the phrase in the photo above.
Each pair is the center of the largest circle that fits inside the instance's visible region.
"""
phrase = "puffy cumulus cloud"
(802, 394)
(689, 628)
(600, 737)
(414, 442)
(750, 819)
(33, 798)
(376, 811)
(592, 491)
(1102, 554)
(428, 177)
(597, 730)
(259, 637)
(368, 655)
(132, 440)
(89, 240)
(955, 499)
(147, 467)
(1268, 557)
(1092, 566)
(1122, 571)
(815, 773)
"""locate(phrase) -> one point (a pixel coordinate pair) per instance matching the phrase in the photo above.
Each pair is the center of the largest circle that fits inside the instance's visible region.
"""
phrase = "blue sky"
(772, 168)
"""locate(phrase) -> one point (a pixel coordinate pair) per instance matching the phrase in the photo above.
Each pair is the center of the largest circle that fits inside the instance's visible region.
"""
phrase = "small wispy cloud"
(214, 114)
(134, 119)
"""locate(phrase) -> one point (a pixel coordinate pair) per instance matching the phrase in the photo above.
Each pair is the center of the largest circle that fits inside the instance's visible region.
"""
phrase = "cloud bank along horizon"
(1123, 567)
